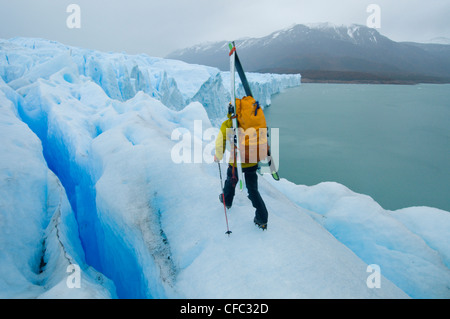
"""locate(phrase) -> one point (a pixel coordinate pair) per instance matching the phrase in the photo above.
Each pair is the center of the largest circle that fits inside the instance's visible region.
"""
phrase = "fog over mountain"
(327, 52)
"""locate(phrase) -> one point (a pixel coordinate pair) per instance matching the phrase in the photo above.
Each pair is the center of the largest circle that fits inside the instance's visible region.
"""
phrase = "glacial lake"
(391, 142)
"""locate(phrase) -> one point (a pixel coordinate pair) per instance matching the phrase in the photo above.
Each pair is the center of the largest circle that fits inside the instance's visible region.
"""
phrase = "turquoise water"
(391, 142)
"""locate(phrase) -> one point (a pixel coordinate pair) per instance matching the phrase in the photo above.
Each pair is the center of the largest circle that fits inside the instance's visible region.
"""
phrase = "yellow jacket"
(222, 140)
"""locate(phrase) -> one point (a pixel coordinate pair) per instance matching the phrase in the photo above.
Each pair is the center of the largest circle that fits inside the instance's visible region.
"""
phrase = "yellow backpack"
(252, 130)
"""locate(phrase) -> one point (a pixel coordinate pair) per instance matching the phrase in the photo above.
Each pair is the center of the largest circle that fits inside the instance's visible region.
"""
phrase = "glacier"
(87, 178)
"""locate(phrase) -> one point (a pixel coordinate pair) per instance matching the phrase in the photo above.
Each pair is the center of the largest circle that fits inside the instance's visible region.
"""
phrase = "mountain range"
(97, 148)
(330, 53)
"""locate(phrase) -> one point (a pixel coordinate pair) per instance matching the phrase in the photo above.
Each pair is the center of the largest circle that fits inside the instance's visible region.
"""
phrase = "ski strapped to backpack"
(232, 111)
(249, 123)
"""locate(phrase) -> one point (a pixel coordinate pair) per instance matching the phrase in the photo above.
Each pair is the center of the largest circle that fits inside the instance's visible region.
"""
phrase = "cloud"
(158, 27)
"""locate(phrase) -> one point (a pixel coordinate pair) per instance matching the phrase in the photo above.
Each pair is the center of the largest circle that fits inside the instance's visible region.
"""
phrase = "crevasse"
(156, 227)
(65, 95)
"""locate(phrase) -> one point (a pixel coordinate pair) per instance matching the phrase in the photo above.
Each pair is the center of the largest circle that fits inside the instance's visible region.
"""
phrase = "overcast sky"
(157, 27)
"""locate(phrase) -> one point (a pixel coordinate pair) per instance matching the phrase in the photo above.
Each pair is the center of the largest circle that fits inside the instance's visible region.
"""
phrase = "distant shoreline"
(348, 77)
(395, 82)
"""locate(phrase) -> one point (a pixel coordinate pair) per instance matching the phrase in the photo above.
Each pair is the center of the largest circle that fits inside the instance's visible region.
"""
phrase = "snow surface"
(87, 177)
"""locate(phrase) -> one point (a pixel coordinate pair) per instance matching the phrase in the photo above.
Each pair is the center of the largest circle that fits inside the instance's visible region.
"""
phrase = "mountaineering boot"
(221, 200)
(262, 226)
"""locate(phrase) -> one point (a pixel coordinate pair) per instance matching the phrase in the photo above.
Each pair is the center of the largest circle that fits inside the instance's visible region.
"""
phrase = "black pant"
(251, 181)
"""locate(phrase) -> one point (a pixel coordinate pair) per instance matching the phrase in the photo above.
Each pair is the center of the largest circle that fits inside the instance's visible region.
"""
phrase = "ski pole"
(228, 232)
